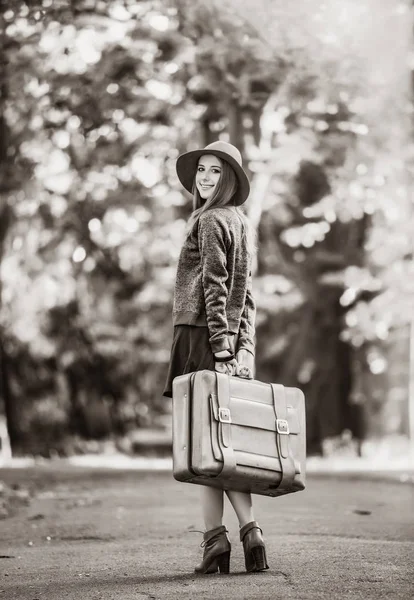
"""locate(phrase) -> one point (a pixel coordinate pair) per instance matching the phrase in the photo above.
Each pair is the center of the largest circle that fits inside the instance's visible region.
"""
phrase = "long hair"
(223, 197)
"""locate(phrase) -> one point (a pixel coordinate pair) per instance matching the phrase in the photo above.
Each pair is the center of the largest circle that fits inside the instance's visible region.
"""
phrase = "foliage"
(336, 214)
(99, 98)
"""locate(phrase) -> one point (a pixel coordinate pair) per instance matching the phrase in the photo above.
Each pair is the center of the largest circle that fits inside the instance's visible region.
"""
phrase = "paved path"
(90, 534)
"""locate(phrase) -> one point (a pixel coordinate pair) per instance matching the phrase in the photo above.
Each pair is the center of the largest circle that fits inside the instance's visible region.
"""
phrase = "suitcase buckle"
(282, 426)
(224, 415)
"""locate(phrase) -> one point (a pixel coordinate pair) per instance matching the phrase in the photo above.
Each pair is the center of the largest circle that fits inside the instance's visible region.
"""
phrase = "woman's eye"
(199, 169)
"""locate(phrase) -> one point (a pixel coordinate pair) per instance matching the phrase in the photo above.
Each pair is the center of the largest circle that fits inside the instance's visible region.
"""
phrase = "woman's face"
(208, 175)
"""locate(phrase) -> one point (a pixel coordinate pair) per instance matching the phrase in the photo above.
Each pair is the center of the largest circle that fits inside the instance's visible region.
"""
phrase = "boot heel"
(224, 562)
(212, 568)
(258, 555)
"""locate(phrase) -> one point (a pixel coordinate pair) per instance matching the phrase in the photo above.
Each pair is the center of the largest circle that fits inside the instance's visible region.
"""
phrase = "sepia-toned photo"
(206, 299)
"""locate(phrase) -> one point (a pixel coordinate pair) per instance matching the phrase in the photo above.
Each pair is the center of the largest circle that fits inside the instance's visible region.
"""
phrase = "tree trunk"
(5, 222)
(236, 125)
(206, 133)
(6, 395)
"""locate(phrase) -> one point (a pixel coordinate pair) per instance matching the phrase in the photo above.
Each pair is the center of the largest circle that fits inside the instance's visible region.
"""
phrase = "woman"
(213, 316)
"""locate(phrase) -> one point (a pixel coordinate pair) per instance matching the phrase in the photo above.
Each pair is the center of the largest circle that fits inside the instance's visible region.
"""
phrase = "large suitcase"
(238, 434)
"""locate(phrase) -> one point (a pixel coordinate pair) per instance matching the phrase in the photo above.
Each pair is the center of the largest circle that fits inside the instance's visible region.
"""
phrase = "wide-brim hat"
(187, 165)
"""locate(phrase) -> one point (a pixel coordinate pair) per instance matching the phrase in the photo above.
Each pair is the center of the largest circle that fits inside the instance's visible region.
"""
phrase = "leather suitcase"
(238, 434)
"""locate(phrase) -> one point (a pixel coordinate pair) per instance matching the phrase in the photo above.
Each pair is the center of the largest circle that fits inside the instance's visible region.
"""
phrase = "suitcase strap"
(282, 435)
(223, 398)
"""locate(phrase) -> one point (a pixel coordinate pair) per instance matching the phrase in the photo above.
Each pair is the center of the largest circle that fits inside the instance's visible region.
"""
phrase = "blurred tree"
(98, 99)
(341, 244)
(91, 110)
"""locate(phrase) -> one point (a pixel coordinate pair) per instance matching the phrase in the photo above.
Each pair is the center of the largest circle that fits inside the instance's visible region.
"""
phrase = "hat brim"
(187, 164)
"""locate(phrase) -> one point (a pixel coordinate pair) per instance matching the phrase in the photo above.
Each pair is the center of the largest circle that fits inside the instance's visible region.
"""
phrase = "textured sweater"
(213, 283)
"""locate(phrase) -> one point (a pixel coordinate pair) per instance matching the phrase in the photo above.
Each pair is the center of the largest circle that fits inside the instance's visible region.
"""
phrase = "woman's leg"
(212, 504)
(250, 533)
(243, 507)
(216, 543)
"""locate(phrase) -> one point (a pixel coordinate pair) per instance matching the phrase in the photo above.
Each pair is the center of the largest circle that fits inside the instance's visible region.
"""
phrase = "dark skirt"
(190, 351)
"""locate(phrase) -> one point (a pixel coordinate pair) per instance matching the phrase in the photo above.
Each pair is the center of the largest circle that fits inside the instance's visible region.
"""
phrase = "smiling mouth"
(205, 187)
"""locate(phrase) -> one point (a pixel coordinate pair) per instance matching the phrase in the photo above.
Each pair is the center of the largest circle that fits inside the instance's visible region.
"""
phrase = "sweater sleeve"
(247, 323)
(213, 238)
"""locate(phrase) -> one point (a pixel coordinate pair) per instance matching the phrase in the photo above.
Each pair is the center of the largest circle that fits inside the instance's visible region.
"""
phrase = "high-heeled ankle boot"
(254, 547)
(217, 549)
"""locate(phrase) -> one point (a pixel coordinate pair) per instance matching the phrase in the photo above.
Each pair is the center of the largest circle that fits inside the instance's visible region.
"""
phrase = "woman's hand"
(229, 367)
(245, 361)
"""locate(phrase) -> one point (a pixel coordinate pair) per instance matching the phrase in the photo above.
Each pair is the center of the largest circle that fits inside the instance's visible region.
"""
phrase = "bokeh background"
(98, 98)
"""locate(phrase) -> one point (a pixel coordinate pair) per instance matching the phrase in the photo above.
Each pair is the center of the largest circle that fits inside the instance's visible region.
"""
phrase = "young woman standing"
(214, 315)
